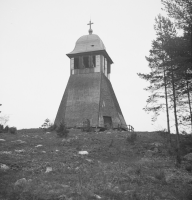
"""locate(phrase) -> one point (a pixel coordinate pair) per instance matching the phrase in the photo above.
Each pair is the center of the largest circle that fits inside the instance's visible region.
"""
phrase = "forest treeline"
(170, 63)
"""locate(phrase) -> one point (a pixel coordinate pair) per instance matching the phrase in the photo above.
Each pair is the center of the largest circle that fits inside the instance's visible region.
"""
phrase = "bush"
(6, 129)
(62, 130)
(138, 170)
(1, 128)
(52, 127)
(188, 195)
(188, 167)
(13, 130)
(163, 133)
(160, 175)
(86, 126)
(132, 138)
(186, 144)
(48, 126)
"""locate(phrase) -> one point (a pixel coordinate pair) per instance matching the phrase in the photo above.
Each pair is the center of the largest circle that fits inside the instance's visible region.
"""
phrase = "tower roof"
(87, 43)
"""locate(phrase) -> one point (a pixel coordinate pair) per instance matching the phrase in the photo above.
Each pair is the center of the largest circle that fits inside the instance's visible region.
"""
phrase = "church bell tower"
(89, 93)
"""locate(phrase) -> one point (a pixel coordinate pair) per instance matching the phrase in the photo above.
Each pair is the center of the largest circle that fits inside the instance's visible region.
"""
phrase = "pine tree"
(162, 61)
(181, 12)
(159, 78)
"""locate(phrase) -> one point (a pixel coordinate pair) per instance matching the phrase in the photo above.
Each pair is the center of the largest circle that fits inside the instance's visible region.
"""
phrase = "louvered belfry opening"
(76, 63)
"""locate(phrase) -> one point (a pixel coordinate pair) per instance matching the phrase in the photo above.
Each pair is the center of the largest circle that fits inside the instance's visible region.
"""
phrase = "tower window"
(92, 61)
(86, 61)
(76, 63)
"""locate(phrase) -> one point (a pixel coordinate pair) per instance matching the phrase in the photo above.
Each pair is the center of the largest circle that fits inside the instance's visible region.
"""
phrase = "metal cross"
(90, 24)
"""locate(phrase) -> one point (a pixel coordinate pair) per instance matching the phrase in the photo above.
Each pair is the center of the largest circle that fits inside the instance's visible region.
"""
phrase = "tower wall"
(109, 105)
(89, 96)
(80, 100)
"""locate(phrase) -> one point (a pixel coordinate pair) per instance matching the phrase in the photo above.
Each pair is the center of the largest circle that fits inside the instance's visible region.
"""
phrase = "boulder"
(149, 153)
(156, 150)
(4, 167)
(39, 145)
(157, 144)
(20, 151)
(89, 160)
(20, 184)
(156, 147)
(5, 152)
(83, 152)
(66, 140)
(19, 141)
(188, 157)
(97, 196)
(48, 169)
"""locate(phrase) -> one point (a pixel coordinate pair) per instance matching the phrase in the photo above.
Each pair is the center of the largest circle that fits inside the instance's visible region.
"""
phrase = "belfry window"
(94, 61)
(76, 63)
(86, 61)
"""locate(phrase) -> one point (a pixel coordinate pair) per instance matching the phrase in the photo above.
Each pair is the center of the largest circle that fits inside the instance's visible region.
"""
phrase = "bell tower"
(89, 93)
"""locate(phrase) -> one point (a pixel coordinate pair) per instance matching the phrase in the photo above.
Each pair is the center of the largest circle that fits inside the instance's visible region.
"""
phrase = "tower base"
(90, 96)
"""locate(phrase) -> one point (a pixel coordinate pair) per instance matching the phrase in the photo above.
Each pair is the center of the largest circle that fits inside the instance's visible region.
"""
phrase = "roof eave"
(103, 52)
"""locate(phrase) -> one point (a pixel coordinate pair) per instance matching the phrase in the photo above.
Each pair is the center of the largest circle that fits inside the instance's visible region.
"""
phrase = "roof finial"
(90, 30)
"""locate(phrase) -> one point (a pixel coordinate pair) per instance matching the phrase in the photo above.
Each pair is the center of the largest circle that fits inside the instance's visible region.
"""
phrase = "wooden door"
(107, 122)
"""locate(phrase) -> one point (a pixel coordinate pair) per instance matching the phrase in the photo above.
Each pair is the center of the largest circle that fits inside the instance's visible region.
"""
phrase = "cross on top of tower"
(90, 30)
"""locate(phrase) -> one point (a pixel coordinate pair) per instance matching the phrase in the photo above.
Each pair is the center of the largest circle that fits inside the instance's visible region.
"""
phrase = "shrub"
(186, 144)
(135, 195)
(163, 133)
(132, 138)
(188, 195)
(160, 175)
(47, 125)
(62, 130)
(6, 129)
(138, 170)
(188, 167)
(86, 126)
(13, 130)
(1, 128)
(111, 143)
(52, 127)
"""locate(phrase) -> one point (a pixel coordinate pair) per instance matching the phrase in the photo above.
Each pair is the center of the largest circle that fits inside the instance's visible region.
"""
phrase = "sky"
(35, 37)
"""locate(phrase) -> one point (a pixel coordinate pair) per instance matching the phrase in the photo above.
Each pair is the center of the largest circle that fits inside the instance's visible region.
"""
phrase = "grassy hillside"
(39, 166)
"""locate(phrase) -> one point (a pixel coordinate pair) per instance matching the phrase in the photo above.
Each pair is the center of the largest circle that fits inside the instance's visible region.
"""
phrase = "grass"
(116, 171)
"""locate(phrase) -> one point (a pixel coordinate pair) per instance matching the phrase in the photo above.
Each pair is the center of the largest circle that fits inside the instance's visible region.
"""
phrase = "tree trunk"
(188, 85)
(178, 157)
(189, 102)
(191, 43)
(167, 109)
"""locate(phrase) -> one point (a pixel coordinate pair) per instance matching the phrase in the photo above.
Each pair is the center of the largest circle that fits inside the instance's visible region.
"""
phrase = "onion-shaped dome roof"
(87, 43)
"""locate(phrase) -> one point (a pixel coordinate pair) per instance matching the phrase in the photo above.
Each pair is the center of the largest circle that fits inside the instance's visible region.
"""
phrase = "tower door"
(107, 122)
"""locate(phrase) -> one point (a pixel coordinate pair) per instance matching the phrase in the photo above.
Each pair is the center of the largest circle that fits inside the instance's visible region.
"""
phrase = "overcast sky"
(36, 35)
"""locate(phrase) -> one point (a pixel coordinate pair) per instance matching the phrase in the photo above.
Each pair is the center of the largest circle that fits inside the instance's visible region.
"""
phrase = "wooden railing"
(130, 128)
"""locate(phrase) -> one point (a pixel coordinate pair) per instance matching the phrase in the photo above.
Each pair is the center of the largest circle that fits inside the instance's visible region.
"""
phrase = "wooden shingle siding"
(89, 96)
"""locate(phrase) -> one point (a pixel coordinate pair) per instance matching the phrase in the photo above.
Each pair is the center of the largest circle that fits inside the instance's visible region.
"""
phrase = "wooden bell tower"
(89, 93)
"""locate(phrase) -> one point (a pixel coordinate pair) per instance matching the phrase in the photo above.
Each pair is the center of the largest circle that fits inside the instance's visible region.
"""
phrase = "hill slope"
(104, 165)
